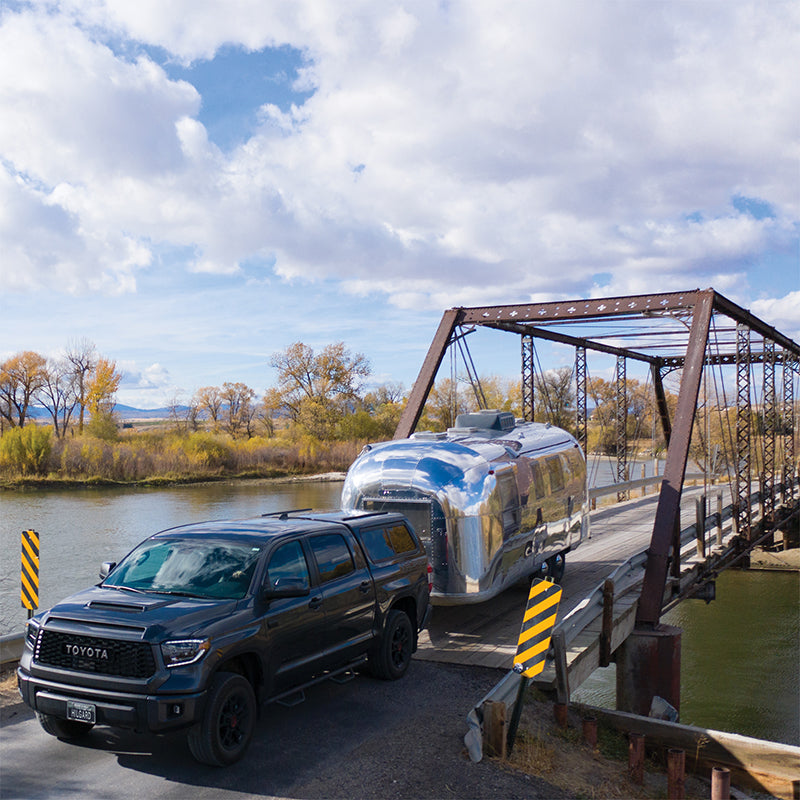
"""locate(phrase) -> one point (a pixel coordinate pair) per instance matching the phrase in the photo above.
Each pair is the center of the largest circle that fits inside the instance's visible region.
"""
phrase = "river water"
(740, 654)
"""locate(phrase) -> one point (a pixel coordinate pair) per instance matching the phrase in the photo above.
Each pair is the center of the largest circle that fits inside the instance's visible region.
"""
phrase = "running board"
(293, 697)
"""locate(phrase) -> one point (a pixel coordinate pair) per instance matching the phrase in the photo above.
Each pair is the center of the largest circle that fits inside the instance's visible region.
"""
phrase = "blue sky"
(194, 187)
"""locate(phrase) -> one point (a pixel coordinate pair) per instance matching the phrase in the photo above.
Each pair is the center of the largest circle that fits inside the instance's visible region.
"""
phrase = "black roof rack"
(285, 514)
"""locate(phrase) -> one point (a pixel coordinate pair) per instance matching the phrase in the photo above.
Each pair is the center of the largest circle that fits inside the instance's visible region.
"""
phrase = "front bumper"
(143, 713)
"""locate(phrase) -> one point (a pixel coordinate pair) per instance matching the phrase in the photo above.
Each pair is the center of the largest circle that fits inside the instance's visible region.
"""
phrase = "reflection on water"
(740, 658)
(79, 529)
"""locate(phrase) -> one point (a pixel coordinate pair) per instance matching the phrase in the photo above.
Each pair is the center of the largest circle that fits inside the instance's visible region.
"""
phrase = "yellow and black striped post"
(29, 573)
(533, 643)
(537, 627)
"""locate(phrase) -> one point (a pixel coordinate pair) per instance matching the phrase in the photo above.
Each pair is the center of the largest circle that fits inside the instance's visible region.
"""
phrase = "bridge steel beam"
(770, 431)
(789, 422)
(427, 375)
(621, 425)
(528, 373)
(661, 402)
(668, 509)
(581, 413)
(743, 430)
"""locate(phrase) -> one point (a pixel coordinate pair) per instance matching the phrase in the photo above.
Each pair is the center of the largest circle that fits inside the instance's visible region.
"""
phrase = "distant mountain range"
(122, 412)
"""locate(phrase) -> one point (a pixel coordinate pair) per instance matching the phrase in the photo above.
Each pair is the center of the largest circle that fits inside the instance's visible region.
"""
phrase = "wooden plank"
(768, 766)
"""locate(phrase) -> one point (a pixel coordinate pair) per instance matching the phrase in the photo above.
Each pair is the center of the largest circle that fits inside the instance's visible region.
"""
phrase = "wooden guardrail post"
(494, 728)
(720, 783)
(636, 758)
(676, 774)
(719, 519)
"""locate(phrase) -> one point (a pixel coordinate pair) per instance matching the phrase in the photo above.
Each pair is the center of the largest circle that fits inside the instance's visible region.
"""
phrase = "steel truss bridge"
(698, 332)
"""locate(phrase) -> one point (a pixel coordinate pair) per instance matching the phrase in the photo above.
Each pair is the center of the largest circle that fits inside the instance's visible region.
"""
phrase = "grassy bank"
(33, 458)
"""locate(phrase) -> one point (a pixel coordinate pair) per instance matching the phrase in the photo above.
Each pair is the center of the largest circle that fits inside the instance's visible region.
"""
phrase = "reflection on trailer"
(495, 500)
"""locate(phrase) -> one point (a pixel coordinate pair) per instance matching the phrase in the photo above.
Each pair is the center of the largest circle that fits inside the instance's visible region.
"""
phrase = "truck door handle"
(315, 602)
(365, 587)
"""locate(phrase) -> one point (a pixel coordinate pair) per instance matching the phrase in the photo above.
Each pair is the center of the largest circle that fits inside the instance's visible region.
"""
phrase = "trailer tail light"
(430, 578)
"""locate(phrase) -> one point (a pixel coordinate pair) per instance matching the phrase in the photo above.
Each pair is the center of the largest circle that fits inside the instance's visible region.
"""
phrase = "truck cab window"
(332, 556)
(288, 561)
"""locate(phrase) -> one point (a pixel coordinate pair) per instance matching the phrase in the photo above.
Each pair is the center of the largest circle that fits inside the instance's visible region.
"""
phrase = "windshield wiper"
(122, 588)
(178, 594)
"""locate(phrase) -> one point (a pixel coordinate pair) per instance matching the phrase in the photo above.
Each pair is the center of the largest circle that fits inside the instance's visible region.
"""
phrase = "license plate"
(81, 712)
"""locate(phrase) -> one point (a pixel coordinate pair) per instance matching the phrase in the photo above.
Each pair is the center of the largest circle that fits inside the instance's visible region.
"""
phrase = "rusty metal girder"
(427, 375)
(582, 309)
(581, 410)
(668, 509)
(621, 425)
(770, 430)
(528, 383)
(743, 431)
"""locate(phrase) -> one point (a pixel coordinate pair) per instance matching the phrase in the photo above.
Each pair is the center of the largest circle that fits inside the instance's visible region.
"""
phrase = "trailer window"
(555, 473)
(538, 480)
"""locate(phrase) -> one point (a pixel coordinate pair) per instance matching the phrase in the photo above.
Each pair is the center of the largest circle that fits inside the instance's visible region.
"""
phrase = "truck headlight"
(180, 652)
(31, 632)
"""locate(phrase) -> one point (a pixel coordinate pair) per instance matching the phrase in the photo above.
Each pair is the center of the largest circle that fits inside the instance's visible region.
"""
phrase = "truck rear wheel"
(224, 733)
(63, 728)
(393, 654)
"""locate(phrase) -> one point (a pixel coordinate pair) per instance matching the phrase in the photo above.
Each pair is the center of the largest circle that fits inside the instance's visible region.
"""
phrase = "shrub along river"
(740, 654)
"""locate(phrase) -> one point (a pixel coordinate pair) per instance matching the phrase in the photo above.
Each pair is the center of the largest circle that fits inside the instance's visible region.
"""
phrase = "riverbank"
(776, 559)
(270, 476)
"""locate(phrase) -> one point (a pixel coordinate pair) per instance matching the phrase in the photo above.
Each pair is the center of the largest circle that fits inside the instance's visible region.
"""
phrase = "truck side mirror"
(287, 587)
(106, 568)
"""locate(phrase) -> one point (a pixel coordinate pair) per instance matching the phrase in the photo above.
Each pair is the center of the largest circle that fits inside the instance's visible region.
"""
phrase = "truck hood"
(146, 616)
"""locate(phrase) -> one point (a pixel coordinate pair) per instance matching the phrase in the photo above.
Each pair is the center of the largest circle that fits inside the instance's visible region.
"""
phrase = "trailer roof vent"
(489, 420)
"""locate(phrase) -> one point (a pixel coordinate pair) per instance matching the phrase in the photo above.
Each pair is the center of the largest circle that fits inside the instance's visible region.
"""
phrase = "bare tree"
(209, 399)
(238, 409)
(58, 393)
(82, 355)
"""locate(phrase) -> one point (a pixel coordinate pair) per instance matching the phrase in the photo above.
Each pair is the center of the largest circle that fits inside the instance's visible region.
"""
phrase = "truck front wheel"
(63, 728)
(393, 653)
(225, 731)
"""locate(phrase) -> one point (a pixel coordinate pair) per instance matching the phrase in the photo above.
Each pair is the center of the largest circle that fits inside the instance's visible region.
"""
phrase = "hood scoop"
(130, 608)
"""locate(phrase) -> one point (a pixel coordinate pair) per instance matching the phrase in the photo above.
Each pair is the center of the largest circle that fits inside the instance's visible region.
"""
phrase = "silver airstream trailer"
(495, 500)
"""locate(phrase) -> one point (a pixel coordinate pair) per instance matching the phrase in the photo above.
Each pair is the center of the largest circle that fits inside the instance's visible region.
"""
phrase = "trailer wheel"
(393, 653)
(224, 733)
(63, 728)
(556, 566)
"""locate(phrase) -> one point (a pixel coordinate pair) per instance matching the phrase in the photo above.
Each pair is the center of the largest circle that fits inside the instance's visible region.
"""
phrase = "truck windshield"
(195, 567)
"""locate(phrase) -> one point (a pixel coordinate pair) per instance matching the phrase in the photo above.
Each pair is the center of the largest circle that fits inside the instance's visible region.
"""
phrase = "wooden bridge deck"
(485, 634)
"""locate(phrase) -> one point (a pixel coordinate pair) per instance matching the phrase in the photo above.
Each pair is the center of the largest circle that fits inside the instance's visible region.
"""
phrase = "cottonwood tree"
(209, 400)
(315, 389)
(554, 398)
(238, 410)
(102, 386)
(82, 355)
(21, 377)
(59, 394)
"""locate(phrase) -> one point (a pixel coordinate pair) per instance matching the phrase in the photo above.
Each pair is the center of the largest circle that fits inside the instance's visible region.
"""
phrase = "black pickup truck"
(200, 624)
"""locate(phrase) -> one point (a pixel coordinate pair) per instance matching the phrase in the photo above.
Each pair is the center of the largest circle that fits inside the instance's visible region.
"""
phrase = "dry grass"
(560, 757)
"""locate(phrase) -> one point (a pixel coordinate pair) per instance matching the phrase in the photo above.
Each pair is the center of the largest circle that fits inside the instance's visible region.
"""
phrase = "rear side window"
(386, 542)
(332, 556)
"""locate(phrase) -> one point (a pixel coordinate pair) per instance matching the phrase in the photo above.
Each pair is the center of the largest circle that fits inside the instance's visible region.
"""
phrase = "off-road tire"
(63, 728)
(392, 655)
(224, 733)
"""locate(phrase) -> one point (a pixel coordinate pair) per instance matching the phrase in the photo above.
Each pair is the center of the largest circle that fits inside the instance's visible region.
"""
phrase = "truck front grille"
(92, 654)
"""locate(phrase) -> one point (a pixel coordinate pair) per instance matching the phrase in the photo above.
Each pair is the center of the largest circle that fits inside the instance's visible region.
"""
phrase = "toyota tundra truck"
(200, 625)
